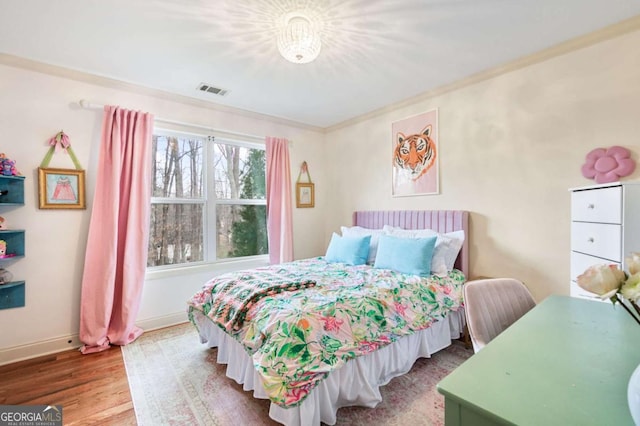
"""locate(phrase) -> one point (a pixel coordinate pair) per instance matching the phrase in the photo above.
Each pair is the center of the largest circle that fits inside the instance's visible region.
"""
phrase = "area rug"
(175, 380)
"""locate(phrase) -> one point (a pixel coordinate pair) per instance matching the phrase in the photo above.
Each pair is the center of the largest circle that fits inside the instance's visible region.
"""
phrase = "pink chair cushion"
(492, 305)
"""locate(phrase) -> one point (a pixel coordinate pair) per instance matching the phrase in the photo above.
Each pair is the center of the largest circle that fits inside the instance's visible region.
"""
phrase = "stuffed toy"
(5, 276)
(7, 166)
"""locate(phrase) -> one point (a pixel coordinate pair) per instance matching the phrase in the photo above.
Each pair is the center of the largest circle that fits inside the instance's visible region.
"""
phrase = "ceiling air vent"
(204, 87)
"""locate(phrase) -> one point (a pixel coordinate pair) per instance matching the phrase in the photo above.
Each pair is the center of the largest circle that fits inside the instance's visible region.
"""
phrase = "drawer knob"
(590, 240)
(591, 206)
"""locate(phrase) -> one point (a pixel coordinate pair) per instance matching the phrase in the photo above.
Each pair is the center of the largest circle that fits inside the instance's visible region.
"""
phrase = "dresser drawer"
(581, 262)
(597, 239)
(602, 205)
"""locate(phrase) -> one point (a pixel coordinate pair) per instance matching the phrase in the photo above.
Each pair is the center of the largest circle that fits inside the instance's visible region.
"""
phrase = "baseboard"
(65, 343)
(37, 349)
(163, 321)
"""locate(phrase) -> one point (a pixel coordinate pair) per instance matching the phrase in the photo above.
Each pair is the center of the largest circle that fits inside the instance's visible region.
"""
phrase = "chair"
(492, 305)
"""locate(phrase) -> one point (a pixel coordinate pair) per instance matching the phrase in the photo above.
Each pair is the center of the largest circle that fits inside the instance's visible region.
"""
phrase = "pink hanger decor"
(608, 165)
(60, 142)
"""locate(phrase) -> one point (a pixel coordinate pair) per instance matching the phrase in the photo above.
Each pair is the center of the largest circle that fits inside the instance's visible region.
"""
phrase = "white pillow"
(358, 231)
(447, 246)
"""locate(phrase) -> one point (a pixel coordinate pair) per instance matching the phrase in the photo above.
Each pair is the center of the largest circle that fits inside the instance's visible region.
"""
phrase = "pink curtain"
(279, 211)
(116, 255)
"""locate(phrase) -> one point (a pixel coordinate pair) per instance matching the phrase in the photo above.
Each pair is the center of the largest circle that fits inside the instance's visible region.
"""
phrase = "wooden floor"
(92, 389)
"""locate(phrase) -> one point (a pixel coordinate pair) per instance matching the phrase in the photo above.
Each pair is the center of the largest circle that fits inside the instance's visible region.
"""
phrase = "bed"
(342, 375)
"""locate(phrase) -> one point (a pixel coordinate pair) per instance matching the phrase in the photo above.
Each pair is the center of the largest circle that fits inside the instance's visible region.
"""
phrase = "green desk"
(566, 362)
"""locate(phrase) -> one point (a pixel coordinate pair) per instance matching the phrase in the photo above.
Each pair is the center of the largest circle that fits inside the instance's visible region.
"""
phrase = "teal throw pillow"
(406, 255)
(349, 250)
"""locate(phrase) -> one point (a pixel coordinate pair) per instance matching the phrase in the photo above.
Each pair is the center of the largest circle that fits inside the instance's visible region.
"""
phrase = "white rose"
(603, 280)
(631, 289)
(633, 263)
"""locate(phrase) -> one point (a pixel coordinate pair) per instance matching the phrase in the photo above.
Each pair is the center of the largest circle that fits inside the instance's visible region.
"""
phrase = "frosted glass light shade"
(299, 42)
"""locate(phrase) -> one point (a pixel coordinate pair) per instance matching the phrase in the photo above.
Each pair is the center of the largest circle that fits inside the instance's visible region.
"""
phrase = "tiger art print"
(415, 153)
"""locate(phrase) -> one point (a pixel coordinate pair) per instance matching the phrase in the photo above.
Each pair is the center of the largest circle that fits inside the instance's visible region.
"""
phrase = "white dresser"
(605, 227)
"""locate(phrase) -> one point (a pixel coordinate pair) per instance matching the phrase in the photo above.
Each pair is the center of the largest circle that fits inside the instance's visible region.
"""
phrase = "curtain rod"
(90, 105)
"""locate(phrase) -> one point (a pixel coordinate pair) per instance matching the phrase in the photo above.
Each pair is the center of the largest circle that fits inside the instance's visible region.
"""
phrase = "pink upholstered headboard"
(438, 220)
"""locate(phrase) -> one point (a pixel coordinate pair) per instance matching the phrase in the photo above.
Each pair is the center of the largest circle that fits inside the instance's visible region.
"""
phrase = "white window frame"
(209, 203)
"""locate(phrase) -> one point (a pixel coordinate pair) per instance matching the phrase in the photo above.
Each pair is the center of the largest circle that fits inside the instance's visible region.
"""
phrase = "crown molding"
(111, 83)
(607, 33)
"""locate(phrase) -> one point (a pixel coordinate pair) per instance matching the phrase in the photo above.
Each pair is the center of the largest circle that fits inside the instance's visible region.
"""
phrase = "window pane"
(177, 167)
(176, 234)
(241, 230)
(239, 172)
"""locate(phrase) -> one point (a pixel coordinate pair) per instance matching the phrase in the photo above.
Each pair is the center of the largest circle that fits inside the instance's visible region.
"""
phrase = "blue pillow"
(349, 250)
(406, 255)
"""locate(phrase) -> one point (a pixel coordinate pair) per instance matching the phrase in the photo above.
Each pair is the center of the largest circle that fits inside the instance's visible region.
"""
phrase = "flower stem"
(629, 310)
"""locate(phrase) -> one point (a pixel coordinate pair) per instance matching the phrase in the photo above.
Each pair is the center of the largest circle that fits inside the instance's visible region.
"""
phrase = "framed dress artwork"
(305, 192)
(305, 195)
(415, 155)
(61, 188)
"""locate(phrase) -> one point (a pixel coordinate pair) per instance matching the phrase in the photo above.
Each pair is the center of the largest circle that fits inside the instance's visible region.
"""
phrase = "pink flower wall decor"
(608, 165)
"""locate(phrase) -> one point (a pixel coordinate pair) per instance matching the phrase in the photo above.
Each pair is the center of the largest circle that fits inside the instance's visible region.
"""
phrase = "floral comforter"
(297, 338)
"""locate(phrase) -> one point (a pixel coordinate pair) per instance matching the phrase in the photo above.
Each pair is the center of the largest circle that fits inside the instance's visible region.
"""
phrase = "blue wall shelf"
(15, 243)
(12, 190)
(12, 294)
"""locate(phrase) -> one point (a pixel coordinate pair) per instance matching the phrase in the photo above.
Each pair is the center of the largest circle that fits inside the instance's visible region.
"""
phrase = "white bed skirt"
(355, 383)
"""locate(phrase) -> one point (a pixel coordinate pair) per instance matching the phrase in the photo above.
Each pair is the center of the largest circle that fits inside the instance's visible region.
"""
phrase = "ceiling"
(374, 53)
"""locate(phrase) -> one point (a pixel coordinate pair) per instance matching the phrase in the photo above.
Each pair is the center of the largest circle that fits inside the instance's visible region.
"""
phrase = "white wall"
(34, 106)
(510, 147)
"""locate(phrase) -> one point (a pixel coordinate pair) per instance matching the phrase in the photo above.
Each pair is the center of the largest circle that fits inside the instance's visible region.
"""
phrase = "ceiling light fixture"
(299, 39)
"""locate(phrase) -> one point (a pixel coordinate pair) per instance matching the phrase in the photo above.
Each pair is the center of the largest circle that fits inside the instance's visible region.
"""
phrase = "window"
(208, 199)
(240, 197)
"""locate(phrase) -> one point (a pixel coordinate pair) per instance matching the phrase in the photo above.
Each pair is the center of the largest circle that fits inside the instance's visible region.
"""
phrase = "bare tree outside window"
(240, 176)
(181, 199)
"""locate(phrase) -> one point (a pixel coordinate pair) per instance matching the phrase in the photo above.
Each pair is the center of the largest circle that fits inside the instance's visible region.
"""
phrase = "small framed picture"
(61, 188)
(305, 196)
